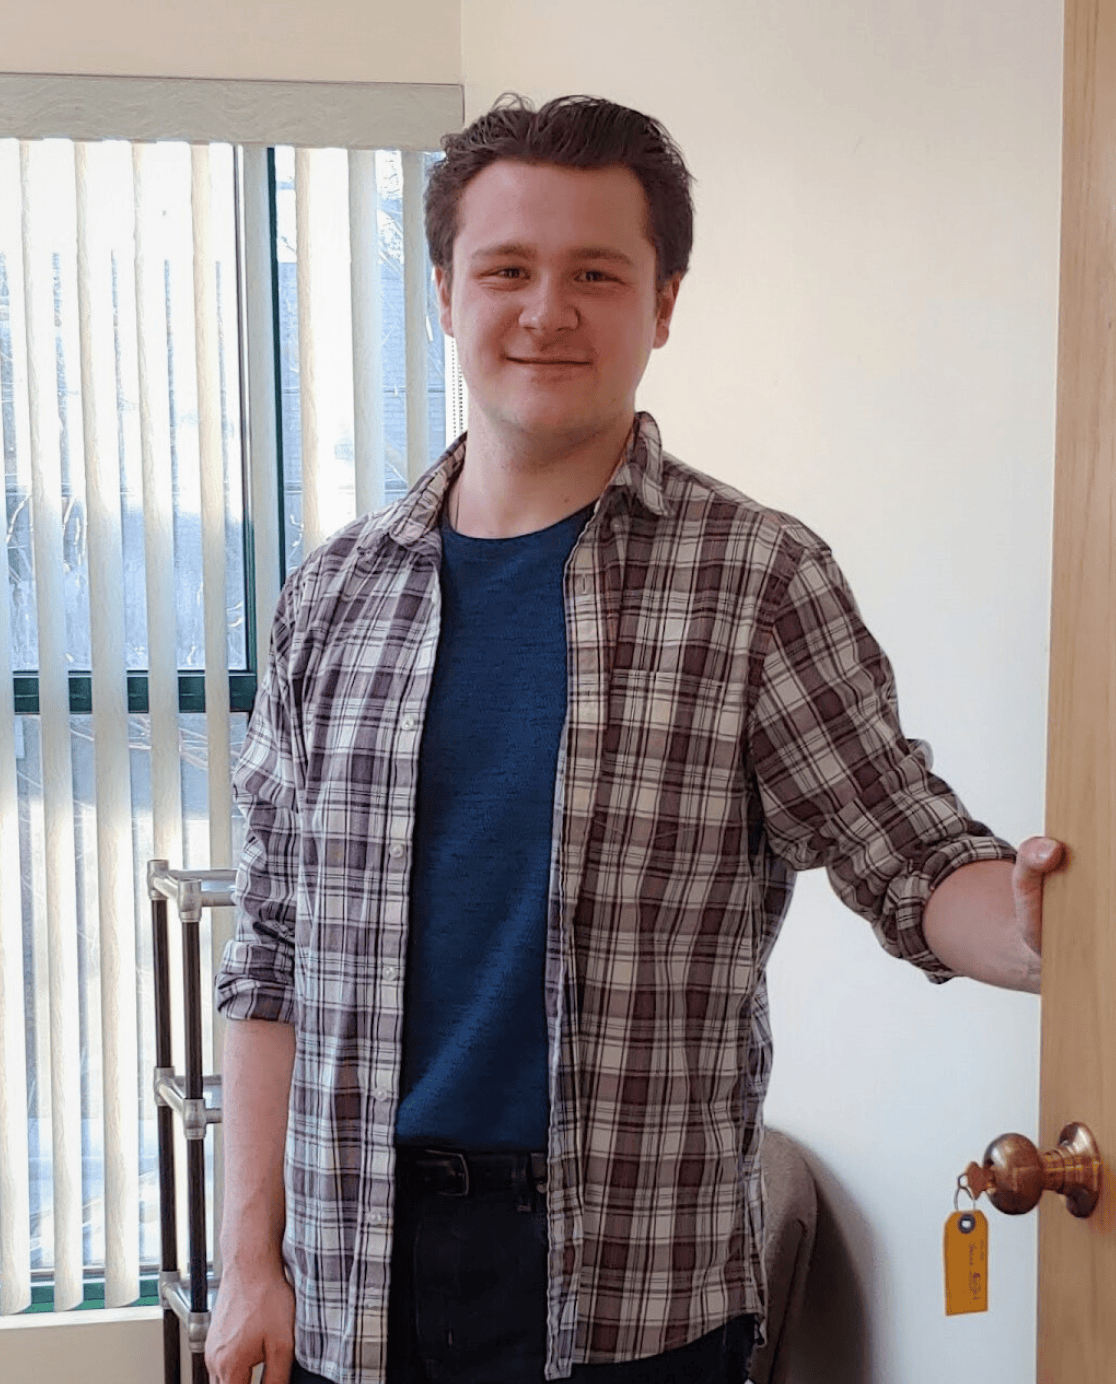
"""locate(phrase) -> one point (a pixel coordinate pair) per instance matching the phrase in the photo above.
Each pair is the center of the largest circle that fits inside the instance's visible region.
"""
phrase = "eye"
(508, 272)
(596, 276)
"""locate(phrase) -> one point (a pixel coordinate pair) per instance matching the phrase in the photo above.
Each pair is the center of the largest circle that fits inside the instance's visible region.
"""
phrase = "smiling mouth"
(548, 360)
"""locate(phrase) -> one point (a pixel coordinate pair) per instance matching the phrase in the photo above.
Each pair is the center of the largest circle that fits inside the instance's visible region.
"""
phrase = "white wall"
(867, 338)
(327, 40)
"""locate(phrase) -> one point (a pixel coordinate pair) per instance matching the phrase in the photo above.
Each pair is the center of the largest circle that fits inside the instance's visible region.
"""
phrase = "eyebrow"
(515, 250)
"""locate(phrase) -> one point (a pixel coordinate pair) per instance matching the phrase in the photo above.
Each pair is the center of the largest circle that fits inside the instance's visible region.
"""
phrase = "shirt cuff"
(933, 870)
(248, 987)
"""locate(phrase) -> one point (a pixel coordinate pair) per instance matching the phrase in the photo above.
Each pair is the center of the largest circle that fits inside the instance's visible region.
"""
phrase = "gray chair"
(792, 1214)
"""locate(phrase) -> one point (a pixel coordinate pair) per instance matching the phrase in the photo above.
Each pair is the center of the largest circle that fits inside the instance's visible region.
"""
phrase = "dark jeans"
(468, 1303)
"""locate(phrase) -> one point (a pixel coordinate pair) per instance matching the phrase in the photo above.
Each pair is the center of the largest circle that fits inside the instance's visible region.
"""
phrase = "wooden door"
(1077, 1258)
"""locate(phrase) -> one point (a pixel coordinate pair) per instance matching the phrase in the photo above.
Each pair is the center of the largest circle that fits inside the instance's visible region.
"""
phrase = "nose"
(548, 306)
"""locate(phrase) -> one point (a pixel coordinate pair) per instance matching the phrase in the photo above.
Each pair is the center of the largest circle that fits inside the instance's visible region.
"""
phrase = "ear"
(445, 315)
(665, 299)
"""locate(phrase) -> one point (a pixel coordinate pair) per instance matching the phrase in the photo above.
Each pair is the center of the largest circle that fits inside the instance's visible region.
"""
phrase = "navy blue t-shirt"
(474, 1025)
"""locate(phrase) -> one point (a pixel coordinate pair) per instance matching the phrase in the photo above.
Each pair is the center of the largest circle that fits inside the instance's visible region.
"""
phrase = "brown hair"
(570, 132)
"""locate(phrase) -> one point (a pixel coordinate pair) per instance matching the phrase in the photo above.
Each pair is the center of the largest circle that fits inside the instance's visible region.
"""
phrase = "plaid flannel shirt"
(730, 722)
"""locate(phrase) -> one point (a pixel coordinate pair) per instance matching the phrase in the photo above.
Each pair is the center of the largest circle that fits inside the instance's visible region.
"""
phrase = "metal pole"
(195, 1148)
(168, 1222)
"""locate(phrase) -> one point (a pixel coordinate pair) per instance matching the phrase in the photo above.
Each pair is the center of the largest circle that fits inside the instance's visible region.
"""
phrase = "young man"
(539, 751)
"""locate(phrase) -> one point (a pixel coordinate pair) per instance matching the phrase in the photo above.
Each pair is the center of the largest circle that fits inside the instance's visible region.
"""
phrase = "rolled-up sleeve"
(256, 976)
(841, 785)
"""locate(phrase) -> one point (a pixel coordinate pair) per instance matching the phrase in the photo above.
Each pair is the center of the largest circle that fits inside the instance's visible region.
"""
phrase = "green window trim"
(191, 693)
(93, 1298)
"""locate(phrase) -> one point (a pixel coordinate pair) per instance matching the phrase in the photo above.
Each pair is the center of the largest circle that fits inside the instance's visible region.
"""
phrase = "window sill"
(117, 1345)
(107, 1316)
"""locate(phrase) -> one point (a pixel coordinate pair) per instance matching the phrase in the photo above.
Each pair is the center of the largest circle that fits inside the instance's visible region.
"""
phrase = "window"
(211, 356)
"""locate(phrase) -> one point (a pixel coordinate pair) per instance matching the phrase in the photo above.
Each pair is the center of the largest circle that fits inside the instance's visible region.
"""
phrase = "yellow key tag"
(966, 1262)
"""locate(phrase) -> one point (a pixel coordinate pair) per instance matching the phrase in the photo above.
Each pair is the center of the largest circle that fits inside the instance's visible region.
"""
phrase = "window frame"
(246, 114)
(350, 115)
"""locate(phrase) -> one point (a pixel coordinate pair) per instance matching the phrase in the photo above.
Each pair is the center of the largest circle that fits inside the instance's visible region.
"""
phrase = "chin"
(550, 417)
(559, 426)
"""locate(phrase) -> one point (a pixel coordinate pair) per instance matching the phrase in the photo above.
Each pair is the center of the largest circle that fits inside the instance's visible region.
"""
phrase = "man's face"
(553, 301)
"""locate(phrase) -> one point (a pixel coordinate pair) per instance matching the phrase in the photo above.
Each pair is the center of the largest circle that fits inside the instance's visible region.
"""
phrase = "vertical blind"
(210, 358)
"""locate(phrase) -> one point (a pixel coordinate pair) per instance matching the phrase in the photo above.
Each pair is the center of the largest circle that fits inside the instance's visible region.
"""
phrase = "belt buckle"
(453, 1162)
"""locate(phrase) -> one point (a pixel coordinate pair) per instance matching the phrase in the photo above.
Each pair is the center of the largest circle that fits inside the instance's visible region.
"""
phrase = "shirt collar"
(639, 474)
(420, 509)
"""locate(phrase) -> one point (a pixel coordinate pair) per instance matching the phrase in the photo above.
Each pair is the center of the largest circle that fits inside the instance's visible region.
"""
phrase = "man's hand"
(253, 1323)
(985, 920)
(1034, 860)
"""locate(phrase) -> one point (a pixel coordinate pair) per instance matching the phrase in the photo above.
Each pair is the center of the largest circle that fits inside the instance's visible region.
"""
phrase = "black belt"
(450, 1173)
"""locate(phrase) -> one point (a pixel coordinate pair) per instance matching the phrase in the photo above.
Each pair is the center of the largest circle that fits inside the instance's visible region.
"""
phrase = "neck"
(507, 487)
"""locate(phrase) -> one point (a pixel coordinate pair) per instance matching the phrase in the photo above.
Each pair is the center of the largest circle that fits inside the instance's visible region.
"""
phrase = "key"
(979, 1179)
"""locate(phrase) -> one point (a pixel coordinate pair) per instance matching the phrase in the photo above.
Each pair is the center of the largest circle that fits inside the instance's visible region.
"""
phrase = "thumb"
(1037, 856)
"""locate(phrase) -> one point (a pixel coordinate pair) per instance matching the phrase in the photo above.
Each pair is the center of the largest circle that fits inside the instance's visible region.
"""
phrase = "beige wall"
(867, 338)
(328, 40)
(109, 1347)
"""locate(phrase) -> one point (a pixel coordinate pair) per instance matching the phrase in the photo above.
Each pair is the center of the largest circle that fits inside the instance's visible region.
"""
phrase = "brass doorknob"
(1015, 1174)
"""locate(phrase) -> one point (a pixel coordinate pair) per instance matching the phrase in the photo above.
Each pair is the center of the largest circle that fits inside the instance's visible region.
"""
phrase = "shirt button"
(381, 1093)
(408, 722)
(390, 972)
(395, 851)
(582, 586)
(376, 1217)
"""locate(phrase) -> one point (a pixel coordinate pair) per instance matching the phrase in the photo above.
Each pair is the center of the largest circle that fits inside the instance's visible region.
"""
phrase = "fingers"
(240, 1371)
(229, 1367)
(235, 1364)
(236, 1359)
(278, 1359)
(224, 1373)
(252, 1325)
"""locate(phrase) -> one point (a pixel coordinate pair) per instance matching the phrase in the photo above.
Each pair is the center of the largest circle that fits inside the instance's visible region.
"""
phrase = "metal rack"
(192, 1097)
